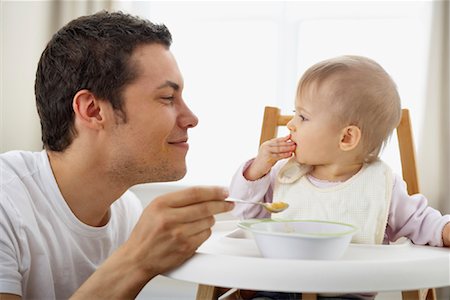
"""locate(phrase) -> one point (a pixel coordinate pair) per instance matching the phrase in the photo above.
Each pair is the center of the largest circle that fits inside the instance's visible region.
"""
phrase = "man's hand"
(174, 225)
(168, 232)
(446, 235)
(269, 153)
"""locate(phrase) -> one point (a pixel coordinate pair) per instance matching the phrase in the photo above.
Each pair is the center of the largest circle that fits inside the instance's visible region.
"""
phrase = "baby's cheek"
(298, 155)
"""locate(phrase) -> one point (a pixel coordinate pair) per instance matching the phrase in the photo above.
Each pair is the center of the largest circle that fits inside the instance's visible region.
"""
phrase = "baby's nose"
(290, 127)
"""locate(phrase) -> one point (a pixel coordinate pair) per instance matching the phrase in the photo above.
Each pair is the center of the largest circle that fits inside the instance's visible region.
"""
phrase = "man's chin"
(174, 176)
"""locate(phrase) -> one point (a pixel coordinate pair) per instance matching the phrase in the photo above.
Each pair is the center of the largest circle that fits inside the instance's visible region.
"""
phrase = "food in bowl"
(300, 239)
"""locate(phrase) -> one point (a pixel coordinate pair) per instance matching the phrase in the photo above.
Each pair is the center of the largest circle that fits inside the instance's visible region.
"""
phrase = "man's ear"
(88, 109)
(350, 138)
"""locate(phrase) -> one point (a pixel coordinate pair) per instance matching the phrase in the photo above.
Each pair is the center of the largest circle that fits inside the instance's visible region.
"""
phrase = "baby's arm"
(254, 180)
(411, 217)
(269, 153)
(260, 190)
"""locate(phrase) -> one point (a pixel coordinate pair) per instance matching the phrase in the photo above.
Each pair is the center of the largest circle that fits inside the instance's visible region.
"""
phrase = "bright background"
(236, 58)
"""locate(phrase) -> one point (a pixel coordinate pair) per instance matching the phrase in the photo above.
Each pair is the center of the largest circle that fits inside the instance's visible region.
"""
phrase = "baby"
(328, 168)
(346, 108)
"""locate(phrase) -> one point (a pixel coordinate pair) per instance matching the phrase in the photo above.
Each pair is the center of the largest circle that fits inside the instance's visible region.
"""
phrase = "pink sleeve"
(260, 190)
(411, 217)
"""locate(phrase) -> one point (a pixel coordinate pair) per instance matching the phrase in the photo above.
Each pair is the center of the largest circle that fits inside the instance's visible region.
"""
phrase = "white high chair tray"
(230, 258)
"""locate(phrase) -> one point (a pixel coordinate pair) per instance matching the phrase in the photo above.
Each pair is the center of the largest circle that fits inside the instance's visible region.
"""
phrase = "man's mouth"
(182, 143)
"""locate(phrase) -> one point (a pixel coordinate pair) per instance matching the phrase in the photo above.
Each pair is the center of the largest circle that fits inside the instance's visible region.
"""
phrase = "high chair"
(273, 119)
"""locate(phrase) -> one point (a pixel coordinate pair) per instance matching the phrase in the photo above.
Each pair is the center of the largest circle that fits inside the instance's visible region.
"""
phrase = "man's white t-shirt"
(45, 251)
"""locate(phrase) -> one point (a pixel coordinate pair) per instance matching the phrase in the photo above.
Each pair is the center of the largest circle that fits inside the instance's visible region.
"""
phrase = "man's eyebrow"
(171, 84)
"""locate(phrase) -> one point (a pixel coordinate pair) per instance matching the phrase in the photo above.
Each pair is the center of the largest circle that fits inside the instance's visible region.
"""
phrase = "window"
(237, 57)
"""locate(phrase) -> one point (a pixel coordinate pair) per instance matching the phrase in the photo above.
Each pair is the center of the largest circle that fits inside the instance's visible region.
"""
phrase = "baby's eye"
(302, 117)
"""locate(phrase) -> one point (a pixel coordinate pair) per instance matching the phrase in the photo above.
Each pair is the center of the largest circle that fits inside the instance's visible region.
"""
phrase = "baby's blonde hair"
(362, 94)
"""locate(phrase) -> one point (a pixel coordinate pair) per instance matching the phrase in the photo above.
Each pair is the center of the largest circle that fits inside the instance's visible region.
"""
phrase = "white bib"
(362, 201)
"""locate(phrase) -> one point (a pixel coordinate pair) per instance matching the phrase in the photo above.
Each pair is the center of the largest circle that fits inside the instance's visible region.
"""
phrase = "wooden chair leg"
(424, 294)
(308, 296)
(207, 292)
(431, 295)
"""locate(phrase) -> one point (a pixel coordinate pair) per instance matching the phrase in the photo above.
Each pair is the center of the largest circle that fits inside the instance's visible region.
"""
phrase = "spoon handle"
(242, 201)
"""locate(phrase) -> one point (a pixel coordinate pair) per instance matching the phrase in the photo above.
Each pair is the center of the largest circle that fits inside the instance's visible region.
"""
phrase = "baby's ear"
(350, 138)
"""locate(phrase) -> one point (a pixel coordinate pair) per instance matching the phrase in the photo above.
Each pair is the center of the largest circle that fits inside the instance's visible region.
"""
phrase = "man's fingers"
(194, 195)
(200, 210)
(188, 237)
(193, 228)
(196, 240)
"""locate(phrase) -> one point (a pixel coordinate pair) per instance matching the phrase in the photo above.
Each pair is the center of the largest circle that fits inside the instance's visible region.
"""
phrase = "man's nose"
(187, 118)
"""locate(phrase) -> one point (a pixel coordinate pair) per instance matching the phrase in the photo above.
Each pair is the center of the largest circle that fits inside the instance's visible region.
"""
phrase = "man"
(109, 97)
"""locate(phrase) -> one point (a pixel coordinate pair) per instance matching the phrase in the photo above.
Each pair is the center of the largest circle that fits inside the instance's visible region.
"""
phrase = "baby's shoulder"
(379, 166)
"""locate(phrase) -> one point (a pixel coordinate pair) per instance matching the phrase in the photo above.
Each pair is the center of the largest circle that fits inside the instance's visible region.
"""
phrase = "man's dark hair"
(93, 53)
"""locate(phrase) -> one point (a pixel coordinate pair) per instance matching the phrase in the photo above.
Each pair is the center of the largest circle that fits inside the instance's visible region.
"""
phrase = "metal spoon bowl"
(274, 207)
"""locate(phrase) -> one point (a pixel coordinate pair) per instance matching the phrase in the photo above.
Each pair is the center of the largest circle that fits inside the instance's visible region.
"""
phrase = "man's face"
(152, 145)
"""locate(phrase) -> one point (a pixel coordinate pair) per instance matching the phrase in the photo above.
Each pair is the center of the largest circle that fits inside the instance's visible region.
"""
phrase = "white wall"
(24, 34)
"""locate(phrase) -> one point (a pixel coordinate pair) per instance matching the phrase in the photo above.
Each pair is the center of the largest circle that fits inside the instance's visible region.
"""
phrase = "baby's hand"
(269, 153)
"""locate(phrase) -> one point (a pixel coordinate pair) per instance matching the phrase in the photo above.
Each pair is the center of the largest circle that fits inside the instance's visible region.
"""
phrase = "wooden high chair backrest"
(273, 119)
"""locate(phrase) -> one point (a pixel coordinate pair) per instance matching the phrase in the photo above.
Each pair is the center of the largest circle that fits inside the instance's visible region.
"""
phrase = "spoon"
(274, 207)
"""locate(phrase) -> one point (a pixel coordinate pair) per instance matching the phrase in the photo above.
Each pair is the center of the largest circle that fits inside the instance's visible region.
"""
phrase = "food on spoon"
(279, 205)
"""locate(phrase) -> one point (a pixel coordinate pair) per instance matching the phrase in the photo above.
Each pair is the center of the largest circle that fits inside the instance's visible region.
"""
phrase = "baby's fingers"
(281, 147)
(278, 149)
(281, 153)
(281, 139)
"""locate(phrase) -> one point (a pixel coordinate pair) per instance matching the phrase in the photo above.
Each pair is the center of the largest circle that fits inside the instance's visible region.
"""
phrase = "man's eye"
(168, 98)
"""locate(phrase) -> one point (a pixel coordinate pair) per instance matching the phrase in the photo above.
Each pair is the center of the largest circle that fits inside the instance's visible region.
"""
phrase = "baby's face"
(314, 130)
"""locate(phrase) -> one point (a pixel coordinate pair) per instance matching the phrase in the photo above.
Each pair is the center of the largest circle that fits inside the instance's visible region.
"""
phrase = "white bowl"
(300, 239)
